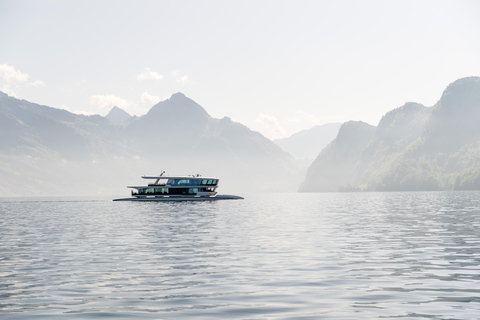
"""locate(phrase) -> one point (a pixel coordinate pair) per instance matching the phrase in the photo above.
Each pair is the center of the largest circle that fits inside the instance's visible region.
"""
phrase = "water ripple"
(281, 256)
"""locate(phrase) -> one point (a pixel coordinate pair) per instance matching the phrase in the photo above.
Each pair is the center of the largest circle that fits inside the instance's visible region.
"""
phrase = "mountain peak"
(400, 117)
(177, 95)
(178, 114)
(181, 107)
(454, 119)
(462, 94)
(118, 115)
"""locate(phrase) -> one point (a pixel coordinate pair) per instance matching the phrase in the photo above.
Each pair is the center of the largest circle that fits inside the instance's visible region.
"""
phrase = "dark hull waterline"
(181, 198)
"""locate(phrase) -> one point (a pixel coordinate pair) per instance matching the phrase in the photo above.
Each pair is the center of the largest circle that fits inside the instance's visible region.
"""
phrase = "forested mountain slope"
(412, 148)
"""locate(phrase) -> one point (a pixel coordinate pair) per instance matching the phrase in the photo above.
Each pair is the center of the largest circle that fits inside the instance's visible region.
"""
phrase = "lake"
(271, 256)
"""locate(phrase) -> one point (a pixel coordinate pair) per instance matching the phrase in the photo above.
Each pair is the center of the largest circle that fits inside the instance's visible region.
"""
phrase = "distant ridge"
(307, 144)
(118, 115)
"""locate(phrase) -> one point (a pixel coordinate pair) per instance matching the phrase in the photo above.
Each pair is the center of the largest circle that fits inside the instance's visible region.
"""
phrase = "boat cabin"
(177, 186)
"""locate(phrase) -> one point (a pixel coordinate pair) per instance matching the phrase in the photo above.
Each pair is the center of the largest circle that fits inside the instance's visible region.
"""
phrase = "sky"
(276, 66)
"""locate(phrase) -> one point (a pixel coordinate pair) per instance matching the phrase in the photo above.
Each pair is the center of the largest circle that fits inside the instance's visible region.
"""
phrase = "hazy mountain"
(118, 115)
(412, 148)
(336, 164)
(309, 143)
(179, 133)
(31, 128)
(396, 131)
(171, 126)
(47, 151)
(454, 122)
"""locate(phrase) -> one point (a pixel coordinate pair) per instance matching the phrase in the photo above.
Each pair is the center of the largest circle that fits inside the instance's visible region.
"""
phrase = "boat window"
(143, 191)
(180, 182)
(161, 190)
(162, 182)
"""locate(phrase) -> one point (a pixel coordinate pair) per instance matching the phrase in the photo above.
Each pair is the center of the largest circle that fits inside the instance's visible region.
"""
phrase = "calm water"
(274, 256)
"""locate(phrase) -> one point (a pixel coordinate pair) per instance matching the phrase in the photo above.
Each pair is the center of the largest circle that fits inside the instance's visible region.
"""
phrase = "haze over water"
(270, 256)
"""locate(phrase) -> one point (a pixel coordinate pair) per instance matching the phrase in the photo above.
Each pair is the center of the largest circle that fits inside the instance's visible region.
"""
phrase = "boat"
(178, 188)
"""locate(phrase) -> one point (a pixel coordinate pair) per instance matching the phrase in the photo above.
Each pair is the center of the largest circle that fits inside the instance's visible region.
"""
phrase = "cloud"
(183, 79)
(304, 117)
(85, 113)
(108, 101)
(14, 79)
(37, 83)
(269, 126)
(9, 74)
(149, 74)
(148, 100)
(8, 90)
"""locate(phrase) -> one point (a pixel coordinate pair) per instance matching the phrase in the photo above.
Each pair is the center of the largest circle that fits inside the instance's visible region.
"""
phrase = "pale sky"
(276, 66)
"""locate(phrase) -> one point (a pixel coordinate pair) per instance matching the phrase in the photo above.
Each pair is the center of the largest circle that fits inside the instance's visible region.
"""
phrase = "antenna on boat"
(161, 174)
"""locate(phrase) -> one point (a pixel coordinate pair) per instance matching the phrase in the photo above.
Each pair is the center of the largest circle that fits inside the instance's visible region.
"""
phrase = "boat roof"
(178, 177)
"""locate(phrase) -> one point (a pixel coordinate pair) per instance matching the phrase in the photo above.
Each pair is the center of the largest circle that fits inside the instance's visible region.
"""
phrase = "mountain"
(31, 128)
(454, 121)
(413, 148)
(336, 164)
(173, 125)
(118, 115)
(307, 144)
(48, 151)
(179, 133)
